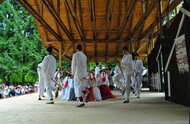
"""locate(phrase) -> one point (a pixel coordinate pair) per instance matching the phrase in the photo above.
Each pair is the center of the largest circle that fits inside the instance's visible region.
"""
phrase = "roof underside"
(103, 27)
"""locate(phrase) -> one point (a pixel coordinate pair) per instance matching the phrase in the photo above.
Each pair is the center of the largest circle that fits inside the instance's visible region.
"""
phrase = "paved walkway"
(150, 109)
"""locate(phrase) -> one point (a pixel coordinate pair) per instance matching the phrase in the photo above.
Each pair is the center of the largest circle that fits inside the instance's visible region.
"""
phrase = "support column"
(60, 55)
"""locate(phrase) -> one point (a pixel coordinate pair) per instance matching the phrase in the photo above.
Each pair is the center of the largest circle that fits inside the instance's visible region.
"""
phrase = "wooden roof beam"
(54, 14)
(144, 8)
(143, 18)
(164, 14)
(109, 18)
(118, 25)
(81, 17)
(92, 17)
(72, 11)
(96, 41)
(58, 7)
(68, 19)
(57, 51)
(58, 12)
(93, 24)
(82, 24)
(128, 14)
(38, 17)
(113, 56)
(119, 14)
(109, 14)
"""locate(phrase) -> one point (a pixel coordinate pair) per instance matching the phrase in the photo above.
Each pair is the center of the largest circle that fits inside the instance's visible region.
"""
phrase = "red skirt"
(106, 92)
(91, 94)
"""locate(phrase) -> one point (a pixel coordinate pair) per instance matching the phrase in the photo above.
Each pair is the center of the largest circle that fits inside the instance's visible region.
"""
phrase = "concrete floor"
(150, 109)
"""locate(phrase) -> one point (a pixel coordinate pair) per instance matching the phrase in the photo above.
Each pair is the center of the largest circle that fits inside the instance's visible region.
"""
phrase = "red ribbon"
(66, 84)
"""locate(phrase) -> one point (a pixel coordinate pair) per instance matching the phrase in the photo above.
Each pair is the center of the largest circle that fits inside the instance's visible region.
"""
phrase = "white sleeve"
(44, 64)
(73, 65)
(141, 67)
(130, 60)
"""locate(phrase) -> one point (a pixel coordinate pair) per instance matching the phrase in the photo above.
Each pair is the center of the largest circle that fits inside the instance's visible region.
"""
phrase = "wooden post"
(60, 55)
(160, 18)
(152, 38)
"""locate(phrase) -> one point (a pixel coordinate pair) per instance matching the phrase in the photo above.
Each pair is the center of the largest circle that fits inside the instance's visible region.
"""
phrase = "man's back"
(49, 65)
(79, 65)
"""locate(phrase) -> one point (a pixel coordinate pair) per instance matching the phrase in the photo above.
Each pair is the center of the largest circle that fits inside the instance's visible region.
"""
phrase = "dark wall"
(180, 83)
(153, 64)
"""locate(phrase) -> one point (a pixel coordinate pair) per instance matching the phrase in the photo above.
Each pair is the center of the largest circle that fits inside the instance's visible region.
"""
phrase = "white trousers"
(136, 83)
(49, 86)
(127, 76)
(79, 86)
(41, 86)
(117, 80)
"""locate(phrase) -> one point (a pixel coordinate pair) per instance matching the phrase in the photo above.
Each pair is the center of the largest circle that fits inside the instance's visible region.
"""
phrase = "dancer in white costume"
(126, 67)
(40, 82)
(79, 71)
(48, 71)
(118, 77)
(137, 75)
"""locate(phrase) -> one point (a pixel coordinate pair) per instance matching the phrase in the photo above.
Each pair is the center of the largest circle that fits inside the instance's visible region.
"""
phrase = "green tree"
(20, 43)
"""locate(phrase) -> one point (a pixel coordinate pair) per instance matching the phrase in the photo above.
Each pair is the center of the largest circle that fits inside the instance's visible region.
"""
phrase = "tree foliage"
(20, 44)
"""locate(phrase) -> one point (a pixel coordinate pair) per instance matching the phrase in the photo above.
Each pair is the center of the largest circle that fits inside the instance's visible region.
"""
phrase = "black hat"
(49, 49)
(79, 47)
(137, 54)
(126, 48)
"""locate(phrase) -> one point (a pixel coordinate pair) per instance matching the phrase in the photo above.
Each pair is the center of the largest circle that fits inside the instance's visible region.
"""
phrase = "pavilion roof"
(103, 27)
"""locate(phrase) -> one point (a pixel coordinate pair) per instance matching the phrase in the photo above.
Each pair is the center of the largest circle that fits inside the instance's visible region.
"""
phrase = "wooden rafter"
(54, 14)
(38, 17)
(58, 7)
(81, 17)
(164, 14)
(41, 9)
(107, 4)
(72, 11)
(81, 22)
(126, 18)
(109, 18)
(92, 17)
(91, 5)
(118, 25)
(130, 29)
(144, 8)
(143, 18)
(119, 16)
(58, 13)
(57, 51)
(68, 19)
(160, 18)
(96, 41)
(113, 56)
(109, 14)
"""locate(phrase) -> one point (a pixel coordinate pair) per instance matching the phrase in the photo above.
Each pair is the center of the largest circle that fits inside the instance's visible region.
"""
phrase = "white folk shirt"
(79, 65)
(39, 70)
(137, 66)
(126, 63)
(49, 66)
(97, 71)
(117, 70)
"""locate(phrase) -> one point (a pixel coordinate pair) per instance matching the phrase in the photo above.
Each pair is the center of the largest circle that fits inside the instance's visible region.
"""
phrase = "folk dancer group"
(94, 85)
